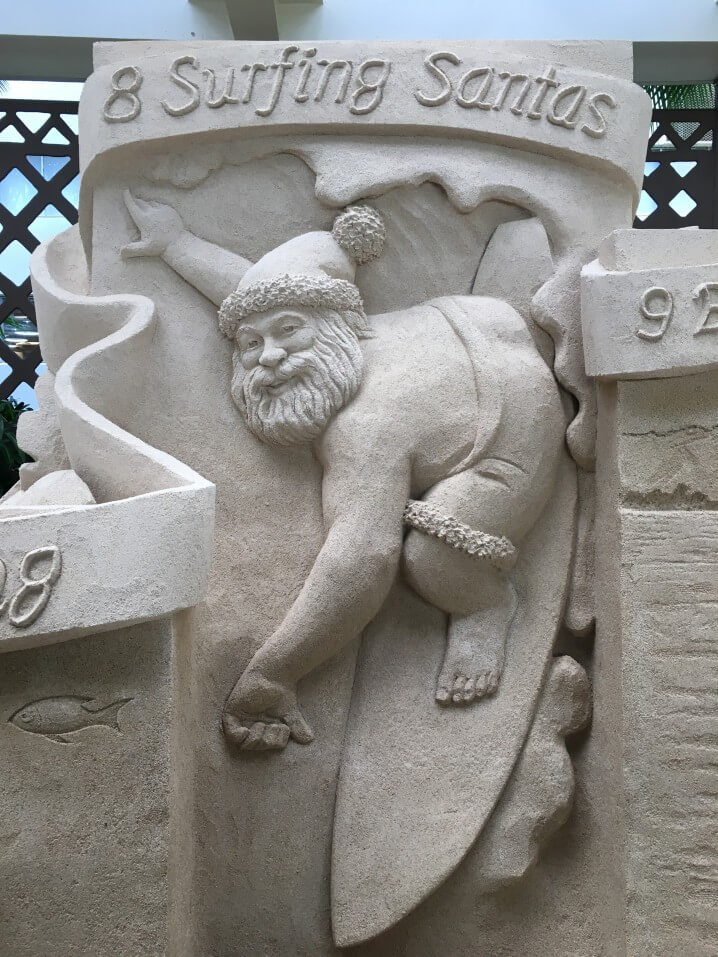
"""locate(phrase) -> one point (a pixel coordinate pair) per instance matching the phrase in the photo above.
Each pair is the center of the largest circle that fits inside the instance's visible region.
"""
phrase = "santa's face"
(293, 371)
(267, 338)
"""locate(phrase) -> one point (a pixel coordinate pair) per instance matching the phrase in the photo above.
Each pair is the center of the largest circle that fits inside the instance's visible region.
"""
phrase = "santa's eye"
(289, 328)
(252, 344)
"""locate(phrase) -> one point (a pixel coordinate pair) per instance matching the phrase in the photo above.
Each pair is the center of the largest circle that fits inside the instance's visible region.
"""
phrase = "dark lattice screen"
(39, 186)
(679, 188)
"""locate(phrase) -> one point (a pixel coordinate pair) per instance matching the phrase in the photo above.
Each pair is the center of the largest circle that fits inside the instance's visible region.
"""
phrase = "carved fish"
(55, 717)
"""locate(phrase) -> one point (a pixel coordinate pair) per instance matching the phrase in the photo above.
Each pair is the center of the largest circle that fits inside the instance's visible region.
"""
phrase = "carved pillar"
(652, 341)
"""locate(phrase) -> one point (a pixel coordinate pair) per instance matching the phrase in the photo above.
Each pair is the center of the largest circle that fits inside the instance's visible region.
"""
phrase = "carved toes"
(492, 681)
(462, 689)
(457, 695)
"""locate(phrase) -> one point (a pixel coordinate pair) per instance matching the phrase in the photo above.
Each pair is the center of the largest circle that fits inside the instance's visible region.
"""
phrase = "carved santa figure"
(442, 418)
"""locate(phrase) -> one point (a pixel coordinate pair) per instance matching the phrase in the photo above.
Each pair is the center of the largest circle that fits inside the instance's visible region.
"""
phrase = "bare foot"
(476, 648)
(469, 672)
(262, 715)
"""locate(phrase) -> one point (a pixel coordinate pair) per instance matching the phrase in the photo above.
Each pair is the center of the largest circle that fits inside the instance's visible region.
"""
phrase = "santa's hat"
(315, 270)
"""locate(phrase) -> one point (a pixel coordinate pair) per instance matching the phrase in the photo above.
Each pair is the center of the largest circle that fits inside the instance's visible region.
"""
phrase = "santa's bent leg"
(458, 556)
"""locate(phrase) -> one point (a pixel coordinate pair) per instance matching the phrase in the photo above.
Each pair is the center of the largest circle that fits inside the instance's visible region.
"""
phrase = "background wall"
(159, 19)
(667, 20)
(670, 20)
(675, 40)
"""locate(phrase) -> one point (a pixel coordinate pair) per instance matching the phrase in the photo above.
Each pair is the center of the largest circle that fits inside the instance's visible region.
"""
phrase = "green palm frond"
(10, 323)
(689, 96)
(11, 455)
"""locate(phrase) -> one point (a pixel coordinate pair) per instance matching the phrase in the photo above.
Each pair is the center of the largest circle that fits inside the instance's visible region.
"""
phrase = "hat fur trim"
(293, 290)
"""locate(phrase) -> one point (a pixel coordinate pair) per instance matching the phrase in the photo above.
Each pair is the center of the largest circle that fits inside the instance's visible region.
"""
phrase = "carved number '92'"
(656, 307)
(26, 604)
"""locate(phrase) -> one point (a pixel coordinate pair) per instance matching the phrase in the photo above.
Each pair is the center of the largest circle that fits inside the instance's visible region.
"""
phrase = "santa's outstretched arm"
(213, 271)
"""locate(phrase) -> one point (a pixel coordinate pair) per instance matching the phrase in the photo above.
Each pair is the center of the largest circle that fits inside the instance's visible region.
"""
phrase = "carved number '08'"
(657, 305)
(22, 610)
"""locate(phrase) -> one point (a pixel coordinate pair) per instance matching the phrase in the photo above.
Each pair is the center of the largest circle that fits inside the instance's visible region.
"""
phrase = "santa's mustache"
(286, 369)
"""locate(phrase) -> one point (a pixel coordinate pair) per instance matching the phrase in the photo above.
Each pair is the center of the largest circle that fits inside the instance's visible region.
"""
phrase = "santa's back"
(452, 380)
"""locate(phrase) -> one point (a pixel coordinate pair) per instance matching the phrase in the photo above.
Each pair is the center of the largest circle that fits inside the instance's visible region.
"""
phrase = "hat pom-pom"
(361, 232)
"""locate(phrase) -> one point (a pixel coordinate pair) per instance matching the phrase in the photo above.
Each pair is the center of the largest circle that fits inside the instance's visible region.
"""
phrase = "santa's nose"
(271, 356)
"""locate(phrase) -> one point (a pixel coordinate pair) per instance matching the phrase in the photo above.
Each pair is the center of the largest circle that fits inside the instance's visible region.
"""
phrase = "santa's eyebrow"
(246, 328)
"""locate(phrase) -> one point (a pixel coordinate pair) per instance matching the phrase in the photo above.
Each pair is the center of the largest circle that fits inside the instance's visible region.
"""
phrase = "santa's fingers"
(266, 736)
(253, 733)
(234, 729)
(299, 728)
(142, 247)
(276, 735)
(137, 208)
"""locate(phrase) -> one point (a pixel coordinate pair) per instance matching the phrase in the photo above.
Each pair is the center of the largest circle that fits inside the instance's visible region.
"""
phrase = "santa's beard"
(321, 380)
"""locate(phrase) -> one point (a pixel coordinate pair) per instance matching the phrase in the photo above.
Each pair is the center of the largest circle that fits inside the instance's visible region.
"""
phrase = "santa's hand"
(159, 226)
(262, 714)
